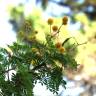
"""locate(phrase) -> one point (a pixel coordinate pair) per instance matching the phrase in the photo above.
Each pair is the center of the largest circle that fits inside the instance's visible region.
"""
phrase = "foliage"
(29, 62)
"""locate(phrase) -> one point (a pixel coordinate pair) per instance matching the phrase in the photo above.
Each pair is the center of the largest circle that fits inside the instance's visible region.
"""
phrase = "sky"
(7, 36)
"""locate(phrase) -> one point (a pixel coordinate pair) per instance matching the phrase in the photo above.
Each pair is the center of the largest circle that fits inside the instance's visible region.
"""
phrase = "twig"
(6, 71)
(57, 31)
(78, 45)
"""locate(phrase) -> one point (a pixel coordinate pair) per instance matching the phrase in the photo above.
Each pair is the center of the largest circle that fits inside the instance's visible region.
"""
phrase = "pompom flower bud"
(58, 45)
(62, 49)
(64, 20)
(54, 28)
(50, 21)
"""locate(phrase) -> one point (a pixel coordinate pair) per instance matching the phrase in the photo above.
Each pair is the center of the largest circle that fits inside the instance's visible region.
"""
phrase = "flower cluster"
(60, 47)
(56, 30)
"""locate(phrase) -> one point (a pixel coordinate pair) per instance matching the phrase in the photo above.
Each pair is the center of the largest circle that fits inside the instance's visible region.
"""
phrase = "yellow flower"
(32, 38)
(50, 21)
(58, 44)
(64, 20)
(54, 28)
(27, 26)
(33, 62)
(34, 49)
(62, 49)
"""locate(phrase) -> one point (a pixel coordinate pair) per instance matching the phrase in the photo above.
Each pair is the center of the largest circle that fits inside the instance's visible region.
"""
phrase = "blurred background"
(81, 25)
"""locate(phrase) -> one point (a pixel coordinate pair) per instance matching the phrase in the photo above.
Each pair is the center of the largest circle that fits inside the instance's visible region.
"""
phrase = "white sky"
(7, 36)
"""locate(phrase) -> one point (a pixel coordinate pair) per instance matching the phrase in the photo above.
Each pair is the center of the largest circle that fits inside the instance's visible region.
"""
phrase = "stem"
(75, 40)
(3, 72)
(78, 45)
(50, 28)
(57, 31)
(29, 66)
(81, 43)
(8, 73)
(41, 64)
